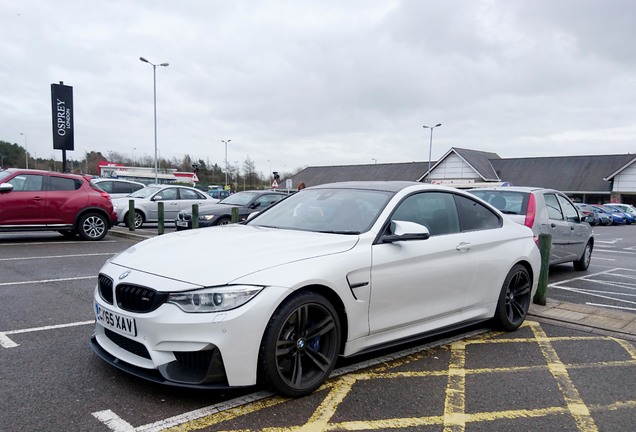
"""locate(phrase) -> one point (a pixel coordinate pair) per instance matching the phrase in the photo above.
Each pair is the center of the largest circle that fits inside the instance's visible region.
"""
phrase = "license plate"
(182, 223)
(119, 323)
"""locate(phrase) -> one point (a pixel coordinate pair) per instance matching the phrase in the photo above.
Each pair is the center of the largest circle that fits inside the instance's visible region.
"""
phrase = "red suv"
(33, 200)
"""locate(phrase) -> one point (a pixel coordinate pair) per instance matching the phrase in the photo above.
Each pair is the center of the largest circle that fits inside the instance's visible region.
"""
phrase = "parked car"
(600, 218)
(626, 208)
(33, 200)
(118, 188)
(617, 217)
(175, 199)
(247, 202)
(546, 211)
(218, 194)
(629, 218)
(332, 270)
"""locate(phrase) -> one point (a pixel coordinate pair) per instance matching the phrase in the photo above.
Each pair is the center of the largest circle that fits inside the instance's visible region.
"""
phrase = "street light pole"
(26, 150)
(154, 90)
(430, 149)
(225, 142)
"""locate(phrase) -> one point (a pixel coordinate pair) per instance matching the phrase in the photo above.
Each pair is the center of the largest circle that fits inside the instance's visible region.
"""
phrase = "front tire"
(584, 262)
(92, 226)
(514, 299)
(300, 345)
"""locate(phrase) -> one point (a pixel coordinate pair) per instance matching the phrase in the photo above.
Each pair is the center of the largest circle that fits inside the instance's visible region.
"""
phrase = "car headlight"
(115, 205)
(206, 217)
(215, 299)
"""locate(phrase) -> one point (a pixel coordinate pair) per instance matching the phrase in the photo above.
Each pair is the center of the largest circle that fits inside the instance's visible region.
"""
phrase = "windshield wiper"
(349, 232)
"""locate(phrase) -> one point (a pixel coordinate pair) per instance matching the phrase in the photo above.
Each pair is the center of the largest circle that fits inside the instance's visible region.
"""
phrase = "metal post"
(154, 93)
(195, 216)
(131, 215)
(235, 215)
(225, 142)
(161, 223)
(430, 149)
(545, 240)
(26, 151)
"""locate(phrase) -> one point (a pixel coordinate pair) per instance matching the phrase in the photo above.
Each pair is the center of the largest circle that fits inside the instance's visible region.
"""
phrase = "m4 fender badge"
(124, 275)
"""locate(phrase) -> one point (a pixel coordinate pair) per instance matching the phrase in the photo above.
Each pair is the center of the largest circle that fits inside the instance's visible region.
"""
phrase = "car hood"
(220, 255)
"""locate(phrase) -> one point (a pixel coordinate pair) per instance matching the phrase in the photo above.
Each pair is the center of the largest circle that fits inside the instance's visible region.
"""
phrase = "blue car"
(629, 218)
(617, 218)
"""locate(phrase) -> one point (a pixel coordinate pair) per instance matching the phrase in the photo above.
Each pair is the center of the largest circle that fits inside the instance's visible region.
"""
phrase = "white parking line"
(47, 280)
(56, 256)
(6, 342)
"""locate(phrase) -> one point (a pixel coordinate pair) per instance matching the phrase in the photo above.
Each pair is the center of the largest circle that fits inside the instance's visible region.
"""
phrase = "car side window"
(106, 186)
(267, 200)
(64, 184)
(187, 194)
(118, 187)
(27, 183)
(167, 194)
(475, 216)
(435, 210)
(571, 215)
(553, 207)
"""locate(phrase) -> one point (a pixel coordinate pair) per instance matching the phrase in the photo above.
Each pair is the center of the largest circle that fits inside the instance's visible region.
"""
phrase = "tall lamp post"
(430, 149)
(154, 88)
(26, 151)
(225, 142)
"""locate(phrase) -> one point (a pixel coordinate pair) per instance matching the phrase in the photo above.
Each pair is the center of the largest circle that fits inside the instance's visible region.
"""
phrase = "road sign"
(274, 184)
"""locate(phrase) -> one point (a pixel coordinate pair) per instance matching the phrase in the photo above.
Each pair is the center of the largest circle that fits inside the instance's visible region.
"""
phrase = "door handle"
(553, 225)
(462, 247)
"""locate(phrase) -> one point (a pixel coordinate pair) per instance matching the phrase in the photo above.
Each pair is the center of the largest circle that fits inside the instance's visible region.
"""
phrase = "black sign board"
(62, 109)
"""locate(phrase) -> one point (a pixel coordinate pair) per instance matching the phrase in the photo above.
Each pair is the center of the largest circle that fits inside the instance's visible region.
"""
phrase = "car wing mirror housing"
(6, 187)
(405, 231)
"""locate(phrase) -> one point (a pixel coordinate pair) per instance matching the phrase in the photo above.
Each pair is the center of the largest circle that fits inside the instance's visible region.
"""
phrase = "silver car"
(546, 211)
(118, 188)
(175, 199)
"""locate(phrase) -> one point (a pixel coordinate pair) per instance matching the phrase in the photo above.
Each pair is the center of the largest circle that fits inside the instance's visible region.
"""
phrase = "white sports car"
(331, 271)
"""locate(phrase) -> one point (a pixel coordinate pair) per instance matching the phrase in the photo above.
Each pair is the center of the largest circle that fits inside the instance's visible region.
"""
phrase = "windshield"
(341, 211)
(4, 174)
(239, 199)
(506, 201)
(145, 192)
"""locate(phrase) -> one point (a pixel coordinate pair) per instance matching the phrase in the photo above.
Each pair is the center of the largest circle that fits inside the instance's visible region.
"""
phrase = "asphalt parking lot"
(548, 375)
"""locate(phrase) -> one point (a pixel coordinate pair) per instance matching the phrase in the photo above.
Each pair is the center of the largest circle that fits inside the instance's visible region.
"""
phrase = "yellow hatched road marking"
(573, 400)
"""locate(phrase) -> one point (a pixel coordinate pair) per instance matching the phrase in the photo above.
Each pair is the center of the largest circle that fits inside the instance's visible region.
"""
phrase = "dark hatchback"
(247, 202)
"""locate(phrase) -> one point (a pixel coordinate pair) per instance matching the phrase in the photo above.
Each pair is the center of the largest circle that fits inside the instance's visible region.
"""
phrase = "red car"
(34, 200)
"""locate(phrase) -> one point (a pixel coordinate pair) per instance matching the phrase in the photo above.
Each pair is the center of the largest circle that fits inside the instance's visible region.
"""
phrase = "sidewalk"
(591, 317)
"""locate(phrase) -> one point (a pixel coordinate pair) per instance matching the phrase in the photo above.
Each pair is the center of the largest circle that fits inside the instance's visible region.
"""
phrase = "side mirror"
(6, 187)
(157, 198)
(405, 231)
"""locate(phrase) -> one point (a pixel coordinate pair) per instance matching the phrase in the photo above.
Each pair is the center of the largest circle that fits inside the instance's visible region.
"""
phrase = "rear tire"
(300, 346)
(514, 299)
(92, 226)
(139, 219)
(584, 262)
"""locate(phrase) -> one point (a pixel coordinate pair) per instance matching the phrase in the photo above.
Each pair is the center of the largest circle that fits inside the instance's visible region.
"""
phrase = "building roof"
(582, 174)
(408, 171)
(564, 173)
(479, 161)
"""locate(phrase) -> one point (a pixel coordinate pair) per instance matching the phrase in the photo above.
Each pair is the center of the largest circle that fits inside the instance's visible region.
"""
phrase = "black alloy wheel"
(514, 299)
(300, 346)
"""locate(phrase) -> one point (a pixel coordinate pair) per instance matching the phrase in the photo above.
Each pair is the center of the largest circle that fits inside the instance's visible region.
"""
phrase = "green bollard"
(131, 215)
(235, 215)
(545, 240)
(161, 223)
(195, 216)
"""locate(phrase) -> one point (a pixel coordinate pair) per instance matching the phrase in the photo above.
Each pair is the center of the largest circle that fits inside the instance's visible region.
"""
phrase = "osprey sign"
(62, 109)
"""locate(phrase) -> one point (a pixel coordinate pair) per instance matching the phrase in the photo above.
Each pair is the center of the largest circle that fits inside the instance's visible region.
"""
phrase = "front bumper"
(203, 350)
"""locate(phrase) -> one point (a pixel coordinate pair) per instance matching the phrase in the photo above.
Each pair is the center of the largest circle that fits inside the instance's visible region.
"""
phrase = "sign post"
(62, 116)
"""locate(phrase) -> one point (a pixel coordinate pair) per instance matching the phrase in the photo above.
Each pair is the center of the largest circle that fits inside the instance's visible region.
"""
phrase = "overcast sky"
(310, 83)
